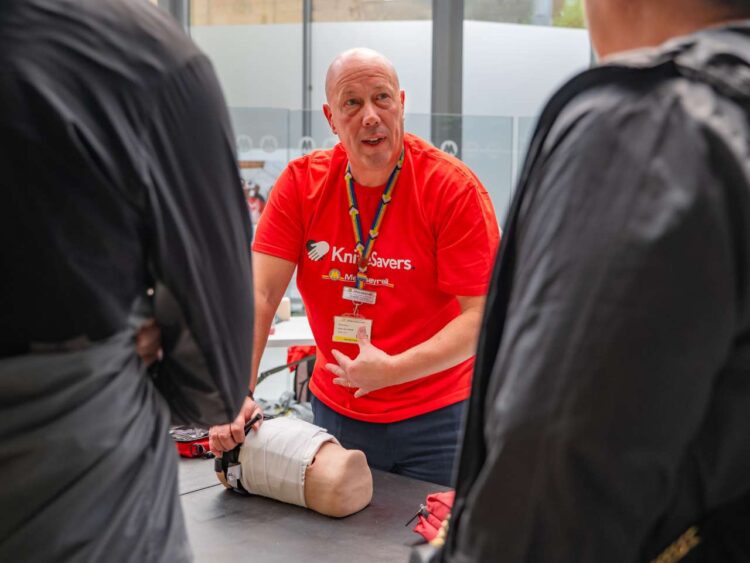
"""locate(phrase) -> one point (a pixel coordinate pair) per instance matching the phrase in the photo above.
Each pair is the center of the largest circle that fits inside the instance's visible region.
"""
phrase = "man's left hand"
(148, 342)
(371, 370)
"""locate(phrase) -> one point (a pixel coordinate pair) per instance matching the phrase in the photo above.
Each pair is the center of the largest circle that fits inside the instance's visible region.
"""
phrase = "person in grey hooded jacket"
(610, 411)
(117, 175)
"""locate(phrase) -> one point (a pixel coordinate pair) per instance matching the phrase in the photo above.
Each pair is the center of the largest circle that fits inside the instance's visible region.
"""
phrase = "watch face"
(187, 433)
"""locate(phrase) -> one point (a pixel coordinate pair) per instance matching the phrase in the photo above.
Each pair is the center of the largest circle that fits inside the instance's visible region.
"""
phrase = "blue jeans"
(422, 447)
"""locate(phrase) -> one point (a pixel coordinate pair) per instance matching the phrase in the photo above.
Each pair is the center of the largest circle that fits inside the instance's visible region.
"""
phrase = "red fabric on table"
(437, 509)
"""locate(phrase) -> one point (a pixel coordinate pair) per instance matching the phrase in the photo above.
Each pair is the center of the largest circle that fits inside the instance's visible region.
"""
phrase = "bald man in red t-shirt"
(393, 241)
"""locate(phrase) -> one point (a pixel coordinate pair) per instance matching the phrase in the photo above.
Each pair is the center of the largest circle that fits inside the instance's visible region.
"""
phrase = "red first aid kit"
(433, 514)
(191, 442)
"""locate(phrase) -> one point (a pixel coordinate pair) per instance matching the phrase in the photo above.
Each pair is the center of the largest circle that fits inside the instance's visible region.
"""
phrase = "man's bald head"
(356, 58)
(365, 108)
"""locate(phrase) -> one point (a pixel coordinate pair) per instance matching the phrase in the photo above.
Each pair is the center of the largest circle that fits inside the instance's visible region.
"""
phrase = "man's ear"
(329, 116)
(403, 98)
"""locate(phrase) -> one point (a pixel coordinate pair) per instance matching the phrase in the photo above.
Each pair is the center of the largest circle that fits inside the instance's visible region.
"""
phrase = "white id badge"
(345, 328)
(360, 295)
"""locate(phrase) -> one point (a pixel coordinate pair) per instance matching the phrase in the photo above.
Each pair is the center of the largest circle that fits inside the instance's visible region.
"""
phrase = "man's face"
(366, 110)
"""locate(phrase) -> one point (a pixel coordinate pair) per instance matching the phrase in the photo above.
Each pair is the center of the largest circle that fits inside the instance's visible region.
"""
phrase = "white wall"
(509, 72)
(258, 65)
(512, 69)
(509, 69)
(261, 65)
(408, 44)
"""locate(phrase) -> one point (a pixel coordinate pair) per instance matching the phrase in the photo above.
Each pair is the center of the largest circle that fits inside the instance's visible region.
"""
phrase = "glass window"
(400, 29)
(256, 48)
(562, 13)
(244, 12)
(569, 13)
(509, 11)
(371, 10)
(516, 54)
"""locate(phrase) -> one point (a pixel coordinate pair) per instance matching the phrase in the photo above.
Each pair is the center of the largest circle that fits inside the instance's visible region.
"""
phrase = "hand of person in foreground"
(148, 342)
(225, 437)
(371, 370)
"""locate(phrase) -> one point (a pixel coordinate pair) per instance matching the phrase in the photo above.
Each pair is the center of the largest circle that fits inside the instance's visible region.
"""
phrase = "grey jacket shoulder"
(705, 74)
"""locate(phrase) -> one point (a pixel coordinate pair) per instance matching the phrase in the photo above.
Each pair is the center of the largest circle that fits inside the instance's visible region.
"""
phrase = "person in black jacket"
(610, 406)
(117, 175)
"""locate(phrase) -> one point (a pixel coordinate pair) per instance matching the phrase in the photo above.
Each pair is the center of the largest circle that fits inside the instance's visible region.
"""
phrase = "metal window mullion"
(306, 67)
(447, 70)
(180, 10)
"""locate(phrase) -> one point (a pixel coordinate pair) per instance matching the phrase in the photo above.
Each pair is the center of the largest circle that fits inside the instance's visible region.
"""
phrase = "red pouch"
(433, 513)
(191, 442)
(295, 353)
(197, 448)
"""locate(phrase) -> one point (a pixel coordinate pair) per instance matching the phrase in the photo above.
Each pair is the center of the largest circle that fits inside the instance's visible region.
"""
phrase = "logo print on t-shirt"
(316, 250)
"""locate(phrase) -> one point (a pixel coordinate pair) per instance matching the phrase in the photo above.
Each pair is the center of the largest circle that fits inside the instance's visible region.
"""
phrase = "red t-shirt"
(437, 240)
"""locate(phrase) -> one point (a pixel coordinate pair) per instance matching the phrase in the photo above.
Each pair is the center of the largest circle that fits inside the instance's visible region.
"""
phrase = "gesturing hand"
(371, 370)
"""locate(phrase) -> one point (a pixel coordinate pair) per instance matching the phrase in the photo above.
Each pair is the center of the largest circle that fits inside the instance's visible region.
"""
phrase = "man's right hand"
(226, 437)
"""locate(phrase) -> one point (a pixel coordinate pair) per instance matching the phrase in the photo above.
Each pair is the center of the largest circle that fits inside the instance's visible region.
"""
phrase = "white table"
(294, 332)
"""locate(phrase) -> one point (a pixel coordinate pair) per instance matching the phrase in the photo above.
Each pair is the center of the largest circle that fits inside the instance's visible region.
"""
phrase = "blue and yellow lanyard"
(365, 249)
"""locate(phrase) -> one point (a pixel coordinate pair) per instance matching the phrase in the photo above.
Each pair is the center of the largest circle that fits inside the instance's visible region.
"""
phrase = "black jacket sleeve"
(619, 321)
(199, 236)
